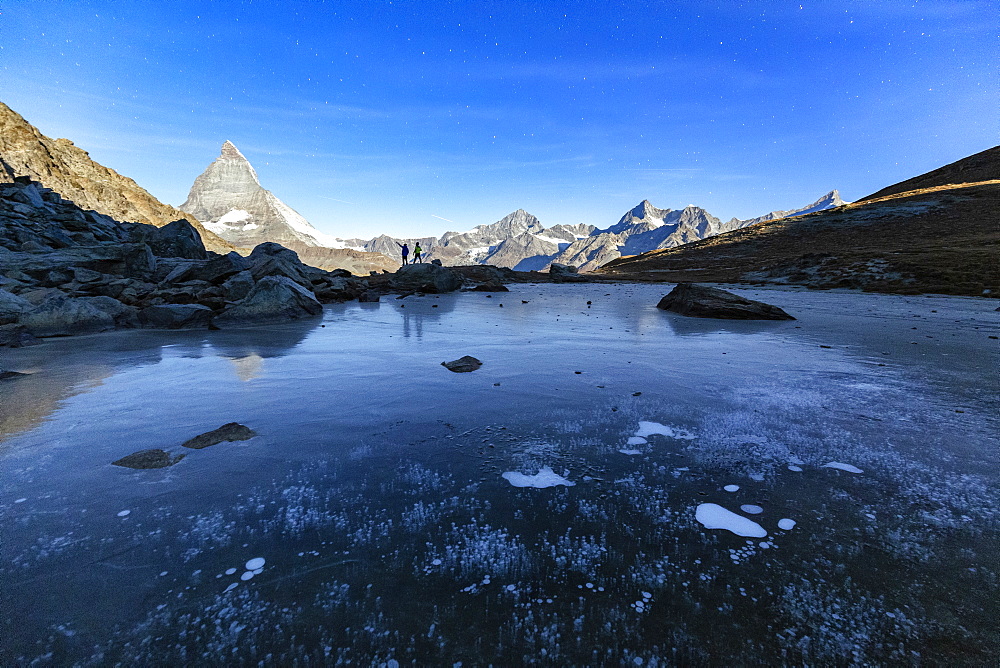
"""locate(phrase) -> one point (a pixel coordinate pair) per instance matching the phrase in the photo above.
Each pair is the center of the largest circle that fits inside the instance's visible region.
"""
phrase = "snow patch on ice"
(637, 440)
(714, 516)
(786, 524)
(843, 467)
(545, 477)
(649, 428)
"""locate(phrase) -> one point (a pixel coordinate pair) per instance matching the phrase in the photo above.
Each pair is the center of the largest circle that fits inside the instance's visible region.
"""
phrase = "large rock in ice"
(231, 431)
(701, 301)
(562, 273)
(148, 459)
(272, 298)
(271, 259)
(425, 277)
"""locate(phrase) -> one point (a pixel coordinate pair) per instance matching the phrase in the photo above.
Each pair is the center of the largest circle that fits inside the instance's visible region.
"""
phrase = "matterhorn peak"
(230, 152)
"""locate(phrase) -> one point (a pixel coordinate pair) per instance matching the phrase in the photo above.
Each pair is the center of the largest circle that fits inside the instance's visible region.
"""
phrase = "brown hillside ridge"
(69, 170)
(940, 239)
(982, 166)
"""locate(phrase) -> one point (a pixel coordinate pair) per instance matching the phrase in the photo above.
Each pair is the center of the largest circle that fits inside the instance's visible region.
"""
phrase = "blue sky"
(413, 118)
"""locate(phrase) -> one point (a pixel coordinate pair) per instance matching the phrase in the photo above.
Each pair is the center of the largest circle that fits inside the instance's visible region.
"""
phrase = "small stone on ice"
(124, 513)
(786, 524)
(255, 563)
(230, 571)
(246, 575)
(732, 488)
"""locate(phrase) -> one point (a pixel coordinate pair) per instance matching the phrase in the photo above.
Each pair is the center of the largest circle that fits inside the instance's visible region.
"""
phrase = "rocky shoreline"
(66, 271)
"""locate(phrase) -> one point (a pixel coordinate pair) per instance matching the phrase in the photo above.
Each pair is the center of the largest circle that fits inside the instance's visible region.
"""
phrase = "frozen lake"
(615, 485)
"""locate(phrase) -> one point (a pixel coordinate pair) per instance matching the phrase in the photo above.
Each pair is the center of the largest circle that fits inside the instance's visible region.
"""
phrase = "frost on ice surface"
(544, 478)
(843, 467)
(649, 428)
(786, 524)
(752, 509)
(732, 488)
(255, 563)
(714, 516)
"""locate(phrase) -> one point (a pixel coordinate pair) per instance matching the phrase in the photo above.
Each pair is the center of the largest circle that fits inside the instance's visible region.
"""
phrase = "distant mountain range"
(229, 200)
(936, 233)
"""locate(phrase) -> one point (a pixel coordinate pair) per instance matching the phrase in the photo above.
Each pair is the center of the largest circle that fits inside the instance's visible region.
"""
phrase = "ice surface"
(255, 563)
(544, 478)
(752, 509)
(786, 524)
(732, 488)
(714, 516)
(843, 467)
(649, 428)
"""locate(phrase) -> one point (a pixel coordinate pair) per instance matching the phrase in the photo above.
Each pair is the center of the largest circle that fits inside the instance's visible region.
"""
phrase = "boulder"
(462, 364)
(490, 286)
(81, 275)
(701, 301)
(66, 316)
(272, 298)
(271, 259)
(124, 316)
(177, 239)
(369, 296)
(237, 286)
(232, 431)
(7, 375)
(148, 459)
(337, 290)
(175, 316)
(565, 273)
(12, 306)
(425, 278)
(216, 270)
(16, 336)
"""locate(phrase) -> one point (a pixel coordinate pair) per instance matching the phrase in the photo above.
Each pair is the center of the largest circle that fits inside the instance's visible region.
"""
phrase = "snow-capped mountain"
(227, 198)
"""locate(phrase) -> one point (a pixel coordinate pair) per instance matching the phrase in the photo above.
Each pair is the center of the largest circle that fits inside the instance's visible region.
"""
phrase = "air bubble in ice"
(255, 563)
(786, 524)
(752, 509)
(732, 488)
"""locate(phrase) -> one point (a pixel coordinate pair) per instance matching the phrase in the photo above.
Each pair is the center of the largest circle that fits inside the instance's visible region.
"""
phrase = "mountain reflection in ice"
(374, 518)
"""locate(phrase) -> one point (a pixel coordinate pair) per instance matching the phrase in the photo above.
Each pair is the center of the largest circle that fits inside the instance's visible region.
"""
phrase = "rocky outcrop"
(562, 273)
(701, 301)
(66, 271)
(68, 170)
(425, 277)
(272, 298)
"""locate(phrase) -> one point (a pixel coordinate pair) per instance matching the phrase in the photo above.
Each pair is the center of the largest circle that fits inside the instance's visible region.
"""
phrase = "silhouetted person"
(405, 251)
(417, 250)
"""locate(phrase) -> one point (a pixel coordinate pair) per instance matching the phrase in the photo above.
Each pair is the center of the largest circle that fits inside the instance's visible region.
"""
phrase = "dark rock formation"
(232, 431)
(6, 375)
(148, 459)
(562, 273)
(490, 287)
(66, 316)
(425, 277)
(701, 301)
(272, 298)
(462, 364)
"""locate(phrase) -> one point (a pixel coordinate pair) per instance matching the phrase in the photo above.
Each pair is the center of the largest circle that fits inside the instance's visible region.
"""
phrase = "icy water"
(616, 485)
